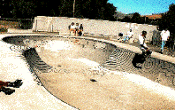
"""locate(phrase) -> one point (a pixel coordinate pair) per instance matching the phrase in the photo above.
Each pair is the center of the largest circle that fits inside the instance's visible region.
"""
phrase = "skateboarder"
(141, 58)
(144, 47)
(8, 91)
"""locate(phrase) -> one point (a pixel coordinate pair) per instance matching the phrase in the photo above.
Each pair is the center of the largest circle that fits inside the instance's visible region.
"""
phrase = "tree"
(168, 20)
(109, 12)
(22, 9)
(136, 18)
(6, 8)
(126, 19)
(93, 9)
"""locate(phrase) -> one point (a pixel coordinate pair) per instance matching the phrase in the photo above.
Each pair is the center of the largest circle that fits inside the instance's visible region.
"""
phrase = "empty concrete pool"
(96, 74)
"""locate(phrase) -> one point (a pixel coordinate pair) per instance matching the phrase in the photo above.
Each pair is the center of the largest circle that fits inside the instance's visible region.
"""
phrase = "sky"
(143, 7)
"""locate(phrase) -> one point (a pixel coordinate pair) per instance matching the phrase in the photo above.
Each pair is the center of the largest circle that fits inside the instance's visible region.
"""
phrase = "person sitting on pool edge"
(128, 36)
(80, 32)
(72, 28)
(76, 29)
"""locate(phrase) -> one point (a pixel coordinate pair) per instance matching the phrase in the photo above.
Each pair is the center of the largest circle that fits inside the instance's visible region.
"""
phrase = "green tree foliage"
(136, 18)
(140, 20)
(22, 9)
(93, 9)
(168, 19)
(126, 19)
(6, 8)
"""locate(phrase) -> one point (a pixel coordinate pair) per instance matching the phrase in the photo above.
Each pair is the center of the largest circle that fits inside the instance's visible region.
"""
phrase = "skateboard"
(141, 58)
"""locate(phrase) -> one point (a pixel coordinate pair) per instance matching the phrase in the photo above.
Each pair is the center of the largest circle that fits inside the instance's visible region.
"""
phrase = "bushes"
(3, 29)
(5, 24)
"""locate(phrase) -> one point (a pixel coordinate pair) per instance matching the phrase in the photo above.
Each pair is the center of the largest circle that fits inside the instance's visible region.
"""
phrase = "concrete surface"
(31, 95)
(24, 31)
(90, 73)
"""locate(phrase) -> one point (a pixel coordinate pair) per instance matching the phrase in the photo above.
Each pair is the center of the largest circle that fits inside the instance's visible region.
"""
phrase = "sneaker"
(7, 91)
(148, 52)
(16, 84)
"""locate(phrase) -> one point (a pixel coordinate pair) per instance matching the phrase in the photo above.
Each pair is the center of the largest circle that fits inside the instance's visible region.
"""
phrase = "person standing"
(72, 28)
(165, 34)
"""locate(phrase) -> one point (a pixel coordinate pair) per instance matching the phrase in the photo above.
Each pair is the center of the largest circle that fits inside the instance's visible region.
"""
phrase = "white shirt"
(141, 41)
(77, 27)
(129, 34)
(165, 34)
(72, 27)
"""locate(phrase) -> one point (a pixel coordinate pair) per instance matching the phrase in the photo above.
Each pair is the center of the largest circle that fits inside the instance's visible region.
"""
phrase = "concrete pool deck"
(30, 95)
(69, 79)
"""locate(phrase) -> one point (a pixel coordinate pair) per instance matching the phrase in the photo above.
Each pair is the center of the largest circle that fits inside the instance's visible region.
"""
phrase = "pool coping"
(118, 44)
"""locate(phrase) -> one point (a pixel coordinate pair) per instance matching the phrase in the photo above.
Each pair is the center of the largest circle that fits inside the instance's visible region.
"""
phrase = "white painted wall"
(105, 27)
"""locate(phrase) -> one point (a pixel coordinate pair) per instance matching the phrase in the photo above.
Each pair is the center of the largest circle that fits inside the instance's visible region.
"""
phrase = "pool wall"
(111, 55)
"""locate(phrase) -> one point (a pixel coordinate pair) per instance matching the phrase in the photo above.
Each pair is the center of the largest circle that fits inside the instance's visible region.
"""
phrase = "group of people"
(140, 58)
(76, 29)
(165, 34)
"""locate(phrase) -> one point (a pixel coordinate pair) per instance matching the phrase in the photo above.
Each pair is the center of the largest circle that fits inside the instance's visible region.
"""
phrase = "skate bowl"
(76, 70)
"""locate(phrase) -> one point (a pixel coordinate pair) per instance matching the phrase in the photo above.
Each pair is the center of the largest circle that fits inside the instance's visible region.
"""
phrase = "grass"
(3, 29)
